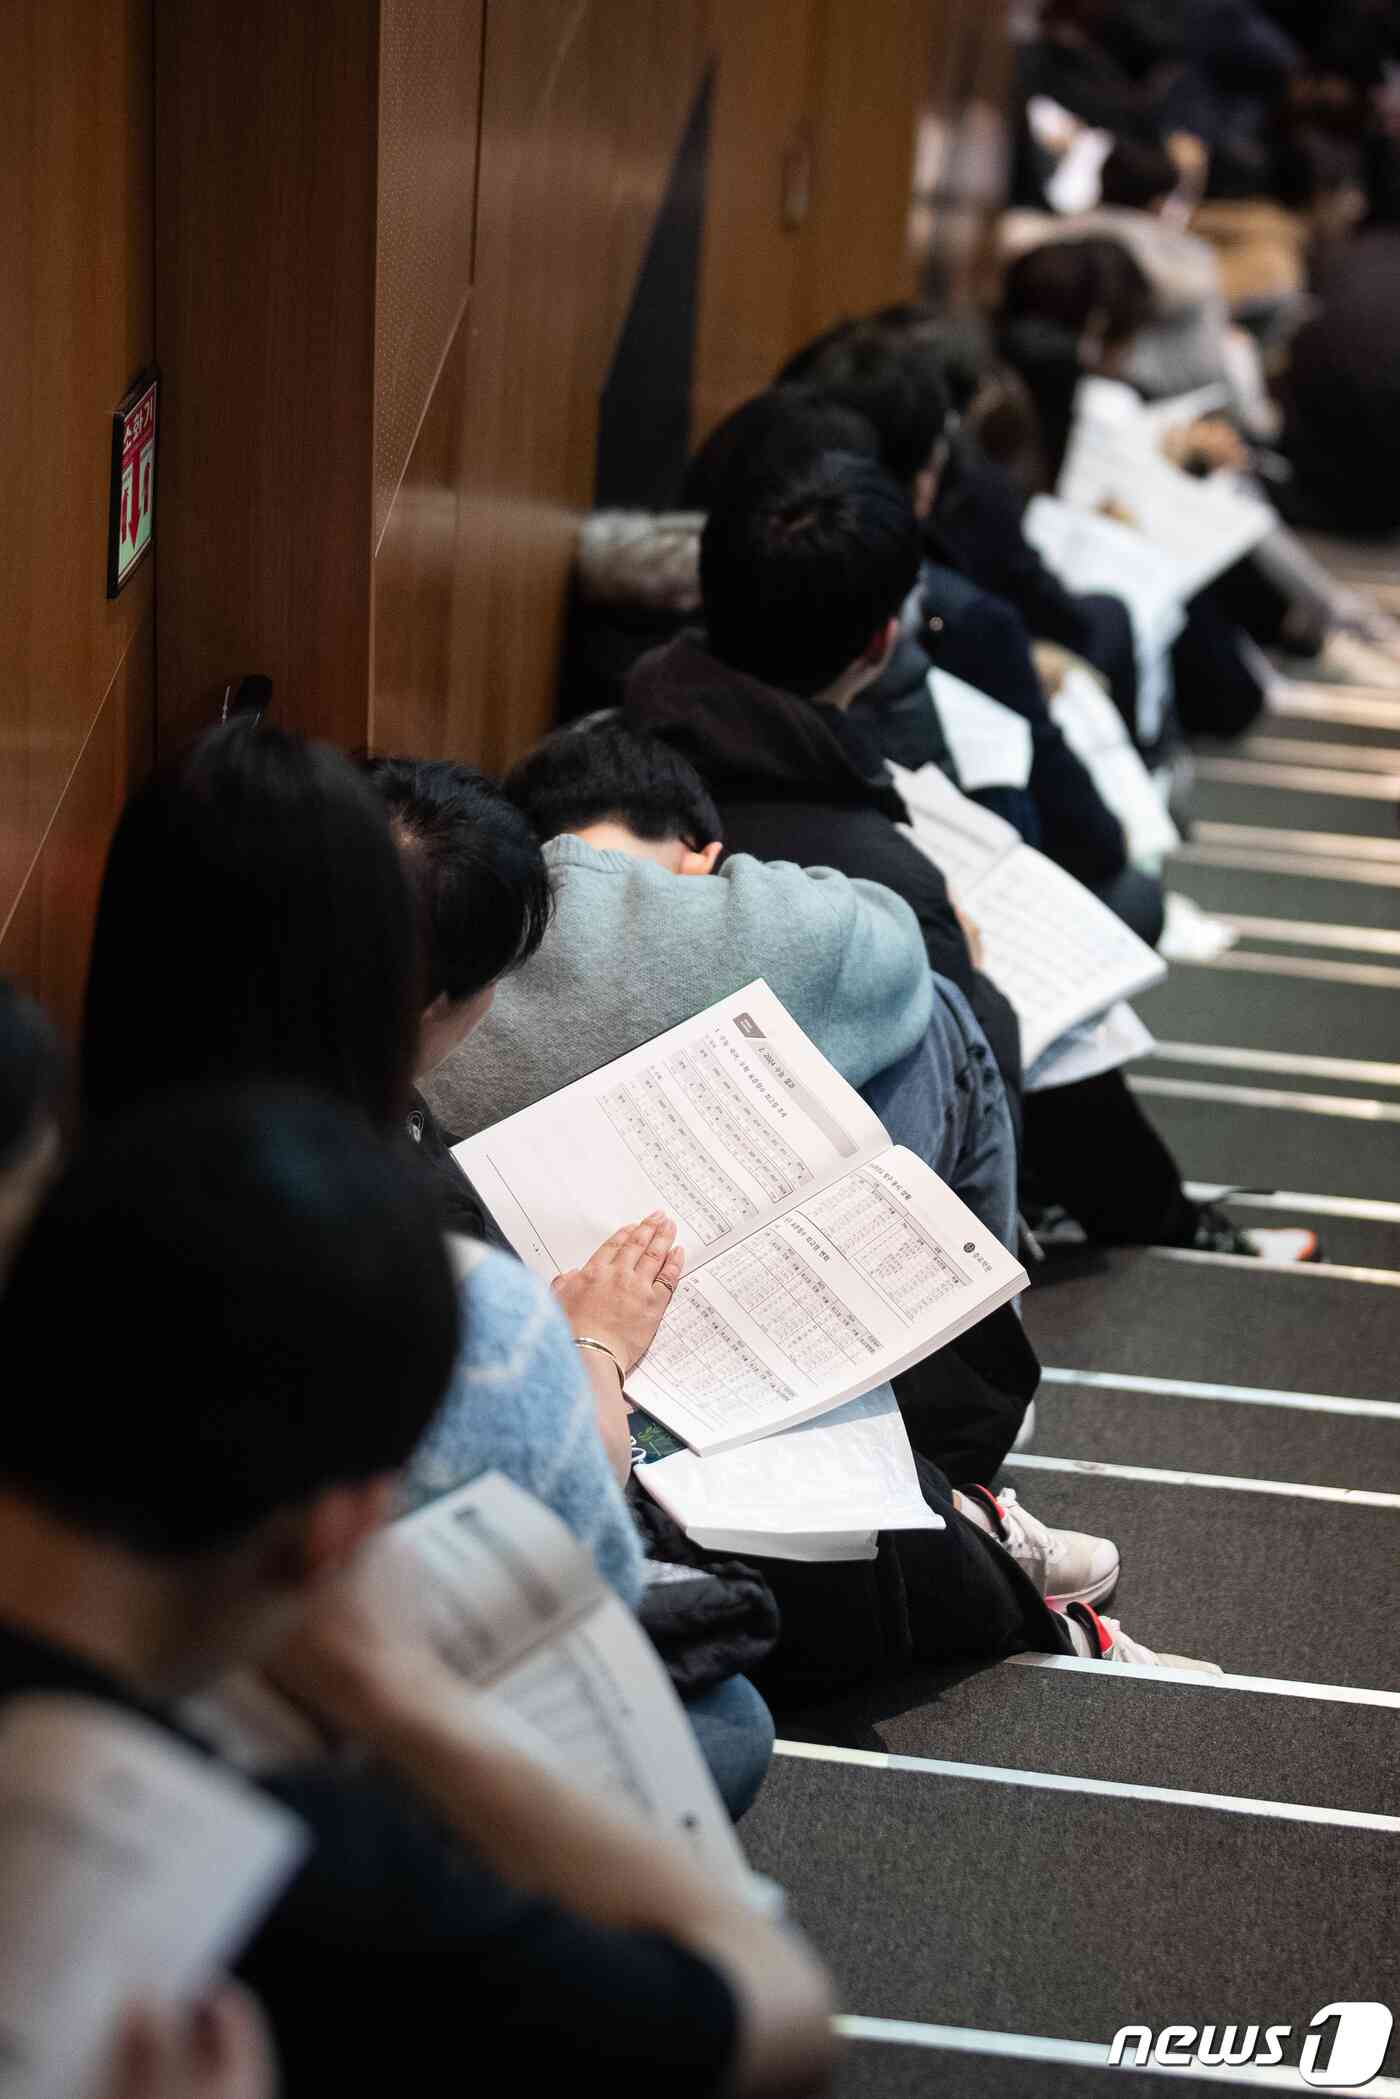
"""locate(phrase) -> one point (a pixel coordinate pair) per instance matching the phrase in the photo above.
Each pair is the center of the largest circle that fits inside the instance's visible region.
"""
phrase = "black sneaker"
(1218, 1234)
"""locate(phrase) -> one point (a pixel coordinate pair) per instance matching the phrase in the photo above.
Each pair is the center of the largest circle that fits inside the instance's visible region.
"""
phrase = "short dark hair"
(31, 1071)
(592, 772)
(800, 572)
(901, 394)
(484, 899)
(230, 1301)
(775, 430)
(254, 924)
(1069, 284)
(1137, 173)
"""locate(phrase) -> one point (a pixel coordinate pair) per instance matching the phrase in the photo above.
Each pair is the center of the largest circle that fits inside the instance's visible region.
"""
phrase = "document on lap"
(1093, 729)
(820, 1259)
(1060, 956)
(132, 1868)
(516, 1605)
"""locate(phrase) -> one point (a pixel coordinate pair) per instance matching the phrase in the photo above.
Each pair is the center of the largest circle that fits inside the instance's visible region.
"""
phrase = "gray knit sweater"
(634, 949)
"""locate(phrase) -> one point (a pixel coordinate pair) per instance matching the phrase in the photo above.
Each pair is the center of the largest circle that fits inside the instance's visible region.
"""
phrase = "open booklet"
(131, 1868)
(1093, 728)
(1059, 955)
(514, 1604)
(821, 1259)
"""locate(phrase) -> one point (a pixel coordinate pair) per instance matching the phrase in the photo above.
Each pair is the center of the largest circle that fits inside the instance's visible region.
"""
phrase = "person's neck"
(135, 1619)
(849, 686)
(609, 836)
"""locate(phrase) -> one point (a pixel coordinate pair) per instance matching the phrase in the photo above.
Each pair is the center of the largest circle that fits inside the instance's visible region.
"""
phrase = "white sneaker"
(1283, 1243)
(1066, 1566)
(1104, 1640)
(1345, 660)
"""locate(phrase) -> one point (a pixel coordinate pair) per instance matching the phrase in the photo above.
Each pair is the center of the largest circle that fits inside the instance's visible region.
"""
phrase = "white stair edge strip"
(1148, 1672)
(1167, 1476)
(1334, 1271)
(1374, 876)
(1302, 932)
(1300, 779)
(1375, 973)
(1233, 1395)
(1361, 1071)
(1326, 845)
(1306, 750)
(1371, 1208)
(1353, 1107)
(1100, 1788)
(1045, 2048)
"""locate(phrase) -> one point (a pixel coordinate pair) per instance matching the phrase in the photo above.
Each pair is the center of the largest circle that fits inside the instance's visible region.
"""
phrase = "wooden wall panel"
(76, 327)
(46, 940)
(265, 128)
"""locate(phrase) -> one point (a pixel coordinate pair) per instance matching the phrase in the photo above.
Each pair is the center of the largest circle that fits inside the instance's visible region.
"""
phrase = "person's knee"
(736, 1734)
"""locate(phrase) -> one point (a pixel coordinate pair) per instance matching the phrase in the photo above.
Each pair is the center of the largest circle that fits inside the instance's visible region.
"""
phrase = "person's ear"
(881, 645)
(339, 1521)
(703, 861)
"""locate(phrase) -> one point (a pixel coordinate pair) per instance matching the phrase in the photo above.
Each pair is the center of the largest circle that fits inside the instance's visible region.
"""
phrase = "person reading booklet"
(821, 1260)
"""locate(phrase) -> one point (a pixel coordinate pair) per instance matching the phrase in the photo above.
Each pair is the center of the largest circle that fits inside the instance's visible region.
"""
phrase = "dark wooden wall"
(77, 325)
(383, 250)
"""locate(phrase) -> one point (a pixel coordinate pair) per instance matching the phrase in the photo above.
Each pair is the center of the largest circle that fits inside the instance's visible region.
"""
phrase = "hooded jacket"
(795, 781)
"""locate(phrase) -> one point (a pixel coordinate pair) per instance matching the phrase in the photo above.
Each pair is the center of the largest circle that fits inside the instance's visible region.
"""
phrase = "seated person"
(645, 904)
(269, 1285)
(803, 576)
(632, 837)
(31, 1078)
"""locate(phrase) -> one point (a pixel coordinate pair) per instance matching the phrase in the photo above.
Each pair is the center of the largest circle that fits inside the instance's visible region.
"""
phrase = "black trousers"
(1090, 1147)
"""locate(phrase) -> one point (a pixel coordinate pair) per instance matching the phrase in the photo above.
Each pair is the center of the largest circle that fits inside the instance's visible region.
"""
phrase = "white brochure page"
(515, 1604)
(865, 1278)
(724, 1122)
(850, 1471)
(990, 743)
(967, 841)
(1116, 1038)
(130, 1867)
(1093, 729)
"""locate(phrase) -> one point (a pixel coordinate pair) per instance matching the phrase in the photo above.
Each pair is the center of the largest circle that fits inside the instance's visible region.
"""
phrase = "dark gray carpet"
(1035, 1911)
(1298, 728)
(880, 2070)
(1103, 1724)
(1262, 895)
(1266, 1011)
(1136, 1310)
(1263, 1584)
(1292, 808)
(1211, 1435)
(1258, 1147)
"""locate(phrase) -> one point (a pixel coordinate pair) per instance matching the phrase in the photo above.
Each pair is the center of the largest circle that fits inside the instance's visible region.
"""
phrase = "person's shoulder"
(506, 1310)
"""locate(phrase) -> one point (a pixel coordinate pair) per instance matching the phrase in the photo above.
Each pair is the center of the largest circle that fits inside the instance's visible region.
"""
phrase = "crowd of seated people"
(273, 1313)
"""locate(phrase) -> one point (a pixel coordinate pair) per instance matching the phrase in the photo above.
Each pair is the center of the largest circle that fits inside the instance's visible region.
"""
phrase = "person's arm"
(366, 1672)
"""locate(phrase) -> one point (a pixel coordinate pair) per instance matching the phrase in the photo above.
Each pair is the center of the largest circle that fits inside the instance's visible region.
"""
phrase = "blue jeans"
(735, 1731)
(946, 1103)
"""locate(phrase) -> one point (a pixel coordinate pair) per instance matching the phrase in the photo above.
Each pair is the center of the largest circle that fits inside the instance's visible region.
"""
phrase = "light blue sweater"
(634, 949)
(519, 1403)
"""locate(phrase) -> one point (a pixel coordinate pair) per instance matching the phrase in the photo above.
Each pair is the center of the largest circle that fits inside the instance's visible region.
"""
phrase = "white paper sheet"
(1093, 728)
(990, 744)
(131, 1867)
(1088, 553)
(516, 1605)
(1116, 1038)
(851, 1472)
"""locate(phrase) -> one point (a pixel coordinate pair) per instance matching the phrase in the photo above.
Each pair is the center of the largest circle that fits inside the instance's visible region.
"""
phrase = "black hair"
(230, 1302)
(589, 773)
(901, 393)
(31, 1071)
(799, 573)
(254, 923)
(955, 345)
(1138, 173)
(483, 893)
(1078, 286)
(773, 431)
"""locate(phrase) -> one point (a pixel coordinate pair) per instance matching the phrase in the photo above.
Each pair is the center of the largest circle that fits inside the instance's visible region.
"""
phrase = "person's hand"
(366, 1637)
(620, 1294)
(972, 933)
(1206, 447)
(220, 2050)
